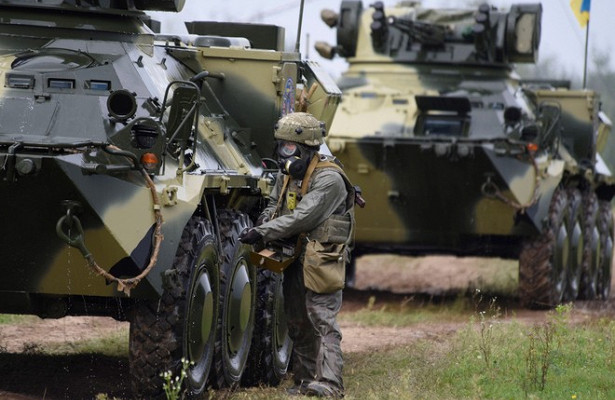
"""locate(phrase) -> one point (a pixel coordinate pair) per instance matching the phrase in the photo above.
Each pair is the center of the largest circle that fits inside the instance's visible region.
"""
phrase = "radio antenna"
(298, 42)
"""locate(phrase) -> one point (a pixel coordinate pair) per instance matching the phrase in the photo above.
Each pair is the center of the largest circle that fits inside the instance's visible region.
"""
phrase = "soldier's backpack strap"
(308, 174)
(281, 196)
(350, 199)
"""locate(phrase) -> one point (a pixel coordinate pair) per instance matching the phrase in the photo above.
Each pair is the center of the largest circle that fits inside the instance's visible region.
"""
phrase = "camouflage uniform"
(317, 355)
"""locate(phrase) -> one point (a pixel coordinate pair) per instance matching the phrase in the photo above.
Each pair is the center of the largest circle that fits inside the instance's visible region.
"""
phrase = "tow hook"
(489, 188)
(69, 228)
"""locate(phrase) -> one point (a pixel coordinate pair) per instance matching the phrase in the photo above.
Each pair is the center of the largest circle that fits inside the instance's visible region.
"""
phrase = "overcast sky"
(562, 36)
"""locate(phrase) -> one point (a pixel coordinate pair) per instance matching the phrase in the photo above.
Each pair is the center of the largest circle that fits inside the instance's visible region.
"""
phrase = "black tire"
(605, 228)
(271, 346)
(182, 323)
(543, 261)
(237, 302)
(574, 225)
(588, 288)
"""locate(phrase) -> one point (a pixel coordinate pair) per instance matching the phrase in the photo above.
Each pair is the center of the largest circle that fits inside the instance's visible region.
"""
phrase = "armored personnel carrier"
(130, 161)
(456, 154)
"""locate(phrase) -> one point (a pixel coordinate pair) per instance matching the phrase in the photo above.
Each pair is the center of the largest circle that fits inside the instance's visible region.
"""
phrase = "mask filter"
(293, 159)
(295, 166)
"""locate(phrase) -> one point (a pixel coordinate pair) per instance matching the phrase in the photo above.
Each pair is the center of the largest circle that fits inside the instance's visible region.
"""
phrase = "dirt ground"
(28, 375)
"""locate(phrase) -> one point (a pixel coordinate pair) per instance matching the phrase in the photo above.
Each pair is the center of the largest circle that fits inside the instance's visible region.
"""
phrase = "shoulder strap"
(308, 173)
(280, 196)
(349, 187)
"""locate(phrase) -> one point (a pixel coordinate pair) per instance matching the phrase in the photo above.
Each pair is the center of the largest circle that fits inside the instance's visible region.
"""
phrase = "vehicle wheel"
(237, 300)
(605, 227)
(543, 261)
(574, 226)
(591, 252)
(182, 323)
(271, 345)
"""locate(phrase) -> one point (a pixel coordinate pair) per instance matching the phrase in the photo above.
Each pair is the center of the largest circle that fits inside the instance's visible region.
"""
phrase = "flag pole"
(585, 62)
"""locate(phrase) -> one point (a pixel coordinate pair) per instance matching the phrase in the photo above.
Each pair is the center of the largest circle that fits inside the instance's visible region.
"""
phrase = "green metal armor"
(130, 162)
(456, 154)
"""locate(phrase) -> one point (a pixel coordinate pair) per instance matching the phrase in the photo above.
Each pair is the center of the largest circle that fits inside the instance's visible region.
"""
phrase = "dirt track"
(26, 375)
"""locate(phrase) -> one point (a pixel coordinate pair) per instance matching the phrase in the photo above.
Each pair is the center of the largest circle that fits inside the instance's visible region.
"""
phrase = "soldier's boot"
(297, 389)
(323, 389)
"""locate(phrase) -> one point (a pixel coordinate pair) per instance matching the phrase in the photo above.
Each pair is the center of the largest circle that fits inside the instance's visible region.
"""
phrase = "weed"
(538, 357)
(172, 386)
(487, 320)
(371, 302)
(104, 396)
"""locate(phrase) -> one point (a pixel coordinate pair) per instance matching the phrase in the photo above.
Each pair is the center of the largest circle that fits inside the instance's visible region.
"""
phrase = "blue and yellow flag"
(581, 10)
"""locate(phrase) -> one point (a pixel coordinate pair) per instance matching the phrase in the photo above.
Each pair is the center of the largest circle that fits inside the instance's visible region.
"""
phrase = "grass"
(16, 319)
(580, 367)
(408, 311)
(113, 345)
(486, 358)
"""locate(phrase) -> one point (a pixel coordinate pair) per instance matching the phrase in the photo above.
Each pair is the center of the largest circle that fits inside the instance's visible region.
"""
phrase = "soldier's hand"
(249, 236)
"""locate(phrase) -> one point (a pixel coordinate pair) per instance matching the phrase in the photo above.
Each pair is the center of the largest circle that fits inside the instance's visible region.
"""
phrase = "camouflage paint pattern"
(422, 128)
(78, 77)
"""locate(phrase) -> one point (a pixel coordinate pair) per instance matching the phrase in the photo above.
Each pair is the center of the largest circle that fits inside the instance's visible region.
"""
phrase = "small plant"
(370, 302)
(540, 348)
(104, 396)
(538, 357)
(487, 319)
(172, 386)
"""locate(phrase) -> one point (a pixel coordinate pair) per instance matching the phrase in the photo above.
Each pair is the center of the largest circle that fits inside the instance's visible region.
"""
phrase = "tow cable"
(76, 239)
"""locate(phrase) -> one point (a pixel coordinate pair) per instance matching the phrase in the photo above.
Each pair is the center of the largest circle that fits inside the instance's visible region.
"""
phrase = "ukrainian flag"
(581, 10)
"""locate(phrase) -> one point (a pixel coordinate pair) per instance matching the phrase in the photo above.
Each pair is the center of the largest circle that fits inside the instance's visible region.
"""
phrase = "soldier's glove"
(262, 219)
(249, 236)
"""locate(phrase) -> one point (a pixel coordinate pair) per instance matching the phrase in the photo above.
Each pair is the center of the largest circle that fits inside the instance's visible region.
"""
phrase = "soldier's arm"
(325, 195)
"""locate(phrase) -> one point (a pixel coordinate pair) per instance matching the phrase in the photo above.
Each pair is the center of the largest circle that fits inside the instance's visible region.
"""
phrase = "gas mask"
(293, 158)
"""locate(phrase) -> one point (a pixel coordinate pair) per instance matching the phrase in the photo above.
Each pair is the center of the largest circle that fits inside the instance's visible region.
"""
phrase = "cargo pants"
(317, 353)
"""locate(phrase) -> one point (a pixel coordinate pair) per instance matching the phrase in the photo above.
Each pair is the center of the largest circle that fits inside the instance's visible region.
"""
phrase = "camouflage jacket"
(326, 196)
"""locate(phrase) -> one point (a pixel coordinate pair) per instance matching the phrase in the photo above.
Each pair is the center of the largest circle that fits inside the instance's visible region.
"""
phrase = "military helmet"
(300, 127)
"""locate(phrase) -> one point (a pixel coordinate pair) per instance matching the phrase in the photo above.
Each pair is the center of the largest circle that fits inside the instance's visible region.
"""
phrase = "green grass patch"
(490, 359)
(112, 345)
(487, 358)
(408, 312)
(16, 319)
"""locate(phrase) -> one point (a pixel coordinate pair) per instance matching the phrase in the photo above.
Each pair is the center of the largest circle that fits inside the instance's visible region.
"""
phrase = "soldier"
(313, 203)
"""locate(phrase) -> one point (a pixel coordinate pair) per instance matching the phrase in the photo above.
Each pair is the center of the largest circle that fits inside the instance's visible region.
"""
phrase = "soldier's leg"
(322, 310)
(300, 329)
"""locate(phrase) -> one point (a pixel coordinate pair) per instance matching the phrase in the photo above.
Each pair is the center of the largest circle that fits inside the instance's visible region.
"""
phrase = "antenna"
(297, 44)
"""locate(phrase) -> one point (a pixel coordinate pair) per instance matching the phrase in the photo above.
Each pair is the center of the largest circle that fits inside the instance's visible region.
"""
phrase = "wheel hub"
(200, 318)
(241, 304)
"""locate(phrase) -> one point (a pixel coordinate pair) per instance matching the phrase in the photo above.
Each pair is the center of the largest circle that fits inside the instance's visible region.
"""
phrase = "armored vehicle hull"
(130, 162)
(456, 154)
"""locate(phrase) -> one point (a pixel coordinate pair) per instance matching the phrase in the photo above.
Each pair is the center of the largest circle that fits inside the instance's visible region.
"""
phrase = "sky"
(562, 39)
